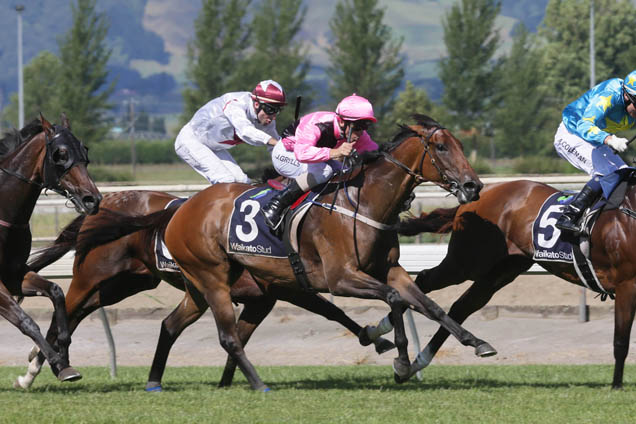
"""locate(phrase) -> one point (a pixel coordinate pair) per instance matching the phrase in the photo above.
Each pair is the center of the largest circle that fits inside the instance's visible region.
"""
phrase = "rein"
(21, 177)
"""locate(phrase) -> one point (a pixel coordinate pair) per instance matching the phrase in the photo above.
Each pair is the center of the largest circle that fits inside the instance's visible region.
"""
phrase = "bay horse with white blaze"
(491, 244)
(39, 156)
(119, 269)
(339, 254)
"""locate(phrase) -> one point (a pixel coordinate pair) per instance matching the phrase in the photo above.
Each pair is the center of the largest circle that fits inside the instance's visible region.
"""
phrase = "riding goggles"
(270, 109)
(631, 98)
(361, 125)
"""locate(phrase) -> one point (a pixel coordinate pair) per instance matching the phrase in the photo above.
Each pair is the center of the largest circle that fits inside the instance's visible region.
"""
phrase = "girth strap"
(294, 258)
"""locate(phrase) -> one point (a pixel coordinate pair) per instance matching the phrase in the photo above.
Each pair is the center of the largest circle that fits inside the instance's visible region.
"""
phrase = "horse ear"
(65, 122)
(46, 125)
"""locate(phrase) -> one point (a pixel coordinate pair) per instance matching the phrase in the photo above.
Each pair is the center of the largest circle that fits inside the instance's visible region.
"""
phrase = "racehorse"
(126, 266)
(491, 244)
(339, 254)
(39, 156)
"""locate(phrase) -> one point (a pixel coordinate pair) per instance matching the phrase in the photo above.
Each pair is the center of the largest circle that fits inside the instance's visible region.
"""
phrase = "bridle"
(52, 172)
(426, 141)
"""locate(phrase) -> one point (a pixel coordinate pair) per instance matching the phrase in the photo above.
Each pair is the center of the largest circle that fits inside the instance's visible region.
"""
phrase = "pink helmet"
(355, 108)
(269, 91)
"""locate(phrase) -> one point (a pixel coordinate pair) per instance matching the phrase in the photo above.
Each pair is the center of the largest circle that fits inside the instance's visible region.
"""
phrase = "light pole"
(19, 8)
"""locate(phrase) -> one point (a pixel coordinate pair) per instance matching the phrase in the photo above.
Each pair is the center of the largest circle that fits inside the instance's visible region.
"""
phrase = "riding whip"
(297, 111)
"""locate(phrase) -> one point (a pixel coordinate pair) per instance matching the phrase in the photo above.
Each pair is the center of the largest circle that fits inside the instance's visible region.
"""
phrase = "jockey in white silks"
(309, 149)
(226, 121)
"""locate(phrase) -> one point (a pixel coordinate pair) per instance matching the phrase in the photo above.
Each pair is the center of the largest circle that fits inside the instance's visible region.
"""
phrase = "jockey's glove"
(617, 143)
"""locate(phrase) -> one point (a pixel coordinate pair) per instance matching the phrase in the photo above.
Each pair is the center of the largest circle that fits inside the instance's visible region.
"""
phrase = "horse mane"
(406, 131)
(439, 221)
(14, 139)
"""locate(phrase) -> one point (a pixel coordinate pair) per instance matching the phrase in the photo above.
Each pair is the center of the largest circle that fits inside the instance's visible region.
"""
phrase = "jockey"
(310, 146)
(589, 123)
(226, 121)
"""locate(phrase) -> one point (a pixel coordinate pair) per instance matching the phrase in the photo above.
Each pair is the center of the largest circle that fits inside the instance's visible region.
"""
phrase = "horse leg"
(34, 285)
(314, 302)
(187, 312)
(10, 310)
(356, 283)
(252, 315)
(473, 299)
(85, 295)
(624, 307)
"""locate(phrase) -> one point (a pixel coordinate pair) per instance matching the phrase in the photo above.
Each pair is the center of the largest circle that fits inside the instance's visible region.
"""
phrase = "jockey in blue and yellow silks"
(589, 123)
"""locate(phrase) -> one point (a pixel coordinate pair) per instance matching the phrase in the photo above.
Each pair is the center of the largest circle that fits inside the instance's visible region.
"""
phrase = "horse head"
(64, 167)
(432, 153)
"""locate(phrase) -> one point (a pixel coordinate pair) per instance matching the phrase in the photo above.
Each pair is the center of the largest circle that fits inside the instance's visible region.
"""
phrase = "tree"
(41, 90)
(410, 101)
(523, 121)
(221, 38)
(469, 72)
(83, 57)
(364, 55)
(565, 29)
(276, 53)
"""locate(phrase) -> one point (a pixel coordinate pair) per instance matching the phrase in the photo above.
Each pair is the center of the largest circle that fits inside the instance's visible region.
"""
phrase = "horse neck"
(384, 190)
(27, 161)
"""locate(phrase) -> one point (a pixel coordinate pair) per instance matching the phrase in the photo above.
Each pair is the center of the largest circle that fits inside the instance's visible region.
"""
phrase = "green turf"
(344, 394)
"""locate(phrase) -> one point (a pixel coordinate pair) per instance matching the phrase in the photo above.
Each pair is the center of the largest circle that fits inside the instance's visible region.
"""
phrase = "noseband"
(418, 177)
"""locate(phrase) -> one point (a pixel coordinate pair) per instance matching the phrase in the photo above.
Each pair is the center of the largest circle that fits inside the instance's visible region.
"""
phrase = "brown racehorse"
(40, 156)
(491, 244)
(339, 254)
(119, 269)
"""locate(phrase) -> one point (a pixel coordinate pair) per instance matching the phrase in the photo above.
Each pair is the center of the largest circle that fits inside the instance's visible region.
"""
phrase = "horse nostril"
(91, 203)
(471, 186)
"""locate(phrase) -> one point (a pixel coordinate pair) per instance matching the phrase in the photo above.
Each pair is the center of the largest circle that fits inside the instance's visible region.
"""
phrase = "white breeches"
(574, 149)
(216, 166)
(307, 175)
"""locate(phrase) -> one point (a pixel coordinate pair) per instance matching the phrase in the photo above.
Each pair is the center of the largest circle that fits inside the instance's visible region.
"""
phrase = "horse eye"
(440, 147)
(60, 156)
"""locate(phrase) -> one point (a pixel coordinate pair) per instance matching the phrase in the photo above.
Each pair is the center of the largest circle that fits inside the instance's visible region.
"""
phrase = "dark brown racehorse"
(119, 269)
(491, 244)
(38, 157)
(340, 254)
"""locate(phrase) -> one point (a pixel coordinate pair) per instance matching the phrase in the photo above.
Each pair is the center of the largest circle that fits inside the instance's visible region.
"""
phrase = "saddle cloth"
(248, 234)
(163, 258)
(549, 246)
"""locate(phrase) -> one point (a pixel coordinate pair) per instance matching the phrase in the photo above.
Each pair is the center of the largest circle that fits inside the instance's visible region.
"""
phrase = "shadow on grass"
(359, 383)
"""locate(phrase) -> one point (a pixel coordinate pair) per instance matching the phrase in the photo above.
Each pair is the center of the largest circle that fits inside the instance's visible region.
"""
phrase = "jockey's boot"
(273, 210)
(569, 219)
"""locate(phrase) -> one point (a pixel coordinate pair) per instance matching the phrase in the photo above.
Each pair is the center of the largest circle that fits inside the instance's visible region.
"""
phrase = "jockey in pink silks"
(309, 149)
(222, 123)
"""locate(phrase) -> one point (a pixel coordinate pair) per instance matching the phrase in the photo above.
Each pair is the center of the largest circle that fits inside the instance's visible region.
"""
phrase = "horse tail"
(62, 244)
(438, 221)
(110, 225)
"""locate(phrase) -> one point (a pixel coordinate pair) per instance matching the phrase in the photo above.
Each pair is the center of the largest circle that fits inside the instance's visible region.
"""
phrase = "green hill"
(149, 39)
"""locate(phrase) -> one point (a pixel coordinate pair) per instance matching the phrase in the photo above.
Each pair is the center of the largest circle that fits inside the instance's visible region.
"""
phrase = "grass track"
(352, 394)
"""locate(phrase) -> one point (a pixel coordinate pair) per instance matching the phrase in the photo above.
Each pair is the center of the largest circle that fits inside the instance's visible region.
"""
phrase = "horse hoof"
(34, 352)
(484, 350)
(363, 337)
(69, 374)
(19, 383)
(383, 345)
(401, 371)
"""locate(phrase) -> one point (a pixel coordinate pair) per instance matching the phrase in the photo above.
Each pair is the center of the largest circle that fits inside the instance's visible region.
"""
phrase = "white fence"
(413, 257)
